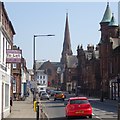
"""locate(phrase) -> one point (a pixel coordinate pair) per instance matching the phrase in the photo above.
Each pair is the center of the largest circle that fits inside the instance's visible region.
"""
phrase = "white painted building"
(6, 42)
(42, 80)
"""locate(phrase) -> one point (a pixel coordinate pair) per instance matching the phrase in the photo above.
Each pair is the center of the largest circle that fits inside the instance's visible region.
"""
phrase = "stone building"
(68, 61)
(19, 72)
(50, 68)
(98, 70)
(6, 42)
(88, 71)
(109, 51)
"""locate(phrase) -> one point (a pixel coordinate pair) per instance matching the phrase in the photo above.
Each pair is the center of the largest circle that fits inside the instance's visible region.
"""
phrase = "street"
(101, 111)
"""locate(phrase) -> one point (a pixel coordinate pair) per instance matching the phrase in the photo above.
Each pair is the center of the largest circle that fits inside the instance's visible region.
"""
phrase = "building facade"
(6, 42)
(88, 71)
(42, 80)
(109, 51)
(68, 61)
(98, 70)
(19, 73)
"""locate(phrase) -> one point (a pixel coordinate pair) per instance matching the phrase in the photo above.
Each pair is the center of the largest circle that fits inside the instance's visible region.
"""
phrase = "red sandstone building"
(98, 70)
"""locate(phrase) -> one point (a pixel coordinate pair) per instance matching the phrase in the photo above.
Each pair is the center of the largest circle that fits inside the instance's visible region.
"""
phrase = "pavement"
(23, 109)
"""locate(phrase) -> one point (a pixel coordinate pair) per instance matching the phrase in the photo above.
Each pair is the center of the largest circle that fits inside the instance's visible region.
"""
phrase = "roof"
(39, 64)
(77, 98)
(113, 22)
(107, 15)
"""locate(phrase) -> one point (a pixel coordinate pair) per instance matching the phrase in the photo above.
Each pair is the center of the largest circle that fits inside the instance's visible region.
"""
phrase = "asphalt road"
(56, 110)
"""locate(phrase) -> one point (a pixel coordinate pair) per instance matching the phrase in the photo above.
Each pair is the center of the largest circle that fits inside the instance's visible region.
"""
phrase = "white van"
(41, 89)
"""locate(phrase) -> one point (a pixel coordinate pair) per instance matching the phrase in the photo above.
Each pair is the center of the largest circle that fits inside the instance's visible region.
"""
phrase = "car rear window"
(44, 93)
(78, 101)
(58, 92)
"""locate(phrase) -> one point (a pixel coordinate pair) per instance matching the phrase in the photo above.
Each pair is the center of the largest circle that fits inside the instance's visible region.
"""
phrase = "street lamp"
(34, 63)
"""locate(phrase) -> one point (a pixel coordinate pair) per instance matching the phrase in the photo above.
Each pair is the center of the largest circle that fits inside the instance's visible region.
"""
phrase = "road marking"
(96, 116)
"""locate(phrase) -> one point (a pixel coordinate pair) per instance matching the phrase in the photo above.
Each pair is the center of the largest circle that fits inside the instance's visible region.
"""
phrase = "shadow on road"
(71, 118)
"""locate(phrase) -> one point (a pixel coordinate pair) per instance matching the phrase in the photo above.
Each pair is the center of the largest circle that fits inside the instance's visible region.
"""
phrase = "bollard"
(35, 105)
(37, 111)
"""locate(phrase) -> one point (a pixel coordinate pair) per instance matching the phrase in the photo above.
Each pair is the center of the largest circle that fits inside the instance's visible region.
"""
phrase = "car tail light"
(71, 107)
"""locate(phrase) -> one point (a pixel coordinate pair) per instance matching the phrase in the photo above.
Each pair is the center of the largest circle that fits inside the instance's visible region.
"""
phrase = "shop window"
(6, 95)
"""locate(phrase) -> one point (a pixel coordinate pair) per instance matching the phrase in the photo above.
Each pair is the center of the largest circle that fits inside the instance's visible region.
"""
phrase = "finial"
(107, 3)
(66, 12)
(112, 14)
(81, 47)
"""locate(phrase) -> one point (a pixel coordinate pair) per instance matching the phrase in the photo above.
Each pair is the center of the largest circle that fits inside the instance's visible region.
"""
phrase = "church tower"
(66, 45)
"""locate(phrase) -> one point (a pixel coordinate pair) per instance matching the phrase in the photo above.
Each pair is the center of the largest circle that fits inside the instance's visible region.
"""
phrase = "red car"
(78, 106)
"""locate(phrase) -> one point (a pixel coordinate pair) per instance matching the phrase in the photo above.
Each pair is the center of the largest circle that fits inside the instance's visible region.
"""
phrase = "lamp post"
(34, 70)
(34, 63)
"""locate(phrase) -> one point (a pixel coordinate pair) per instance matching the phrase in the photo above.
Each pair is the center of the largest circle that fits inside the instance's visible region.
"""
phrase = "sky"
(43, 18)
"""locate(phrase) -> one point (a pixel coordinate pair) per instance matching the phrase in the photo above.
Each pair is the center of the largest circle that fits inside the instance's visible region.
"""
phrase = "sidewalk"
(23, 109)
(109, 102)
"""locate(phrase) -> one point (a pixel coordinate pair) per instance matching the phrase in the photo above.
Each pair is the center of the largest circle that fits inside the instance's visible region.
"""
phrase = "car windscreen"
(44, 93)
(78, 101)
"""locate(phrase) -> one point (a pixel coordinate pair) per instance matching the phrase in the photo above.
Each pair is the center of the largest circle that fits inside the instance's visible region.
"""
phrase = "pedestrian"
(11, 103)
(34, 96)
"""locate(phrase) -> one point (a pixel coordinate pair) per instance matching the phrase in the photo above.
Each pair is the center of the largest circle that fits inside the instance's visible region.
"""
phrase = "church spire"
(66, 45)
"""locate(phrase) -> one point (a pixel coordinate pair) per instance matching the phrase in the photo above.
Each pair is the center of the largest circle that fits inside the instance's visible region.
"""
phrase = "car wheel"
(90, 116)
(54, 99)
(63, 99)
(48, 98)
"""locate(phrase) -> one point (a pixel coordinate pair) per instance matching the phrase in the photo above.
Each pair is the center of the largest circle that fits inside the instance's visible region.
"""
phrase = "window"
(43, 82)
(78, 101)
(3, 48)
(43, 77)
(14, 65)
(41, 88)
(6, 95)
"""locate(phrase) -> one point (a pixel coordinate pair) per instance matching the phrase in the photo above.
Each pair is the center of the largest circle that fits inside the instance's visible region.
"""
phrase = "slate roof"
(113, 22)
(107, 15)
(40, 65)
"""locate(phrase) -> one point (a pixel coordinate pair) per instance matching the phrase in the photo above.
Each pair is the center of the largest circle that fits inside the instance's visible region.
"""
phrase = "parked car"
(41, 92)
(78, 106)
(59, 95)
(44, 95)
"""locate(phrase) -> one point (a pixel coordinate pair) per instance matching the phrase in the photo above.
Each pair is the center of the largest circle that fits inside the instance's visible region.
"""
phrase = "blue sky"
(29, 18)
